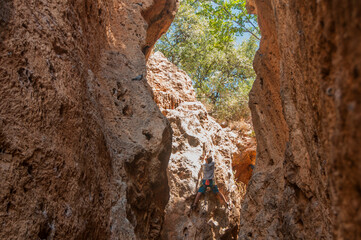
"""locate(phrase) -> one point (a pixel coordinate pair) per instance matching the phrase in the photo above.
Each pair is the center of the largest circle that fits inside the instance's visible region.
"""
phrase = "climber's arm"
(200, 172)
(214, 177)
(203, 159)
(204, 153)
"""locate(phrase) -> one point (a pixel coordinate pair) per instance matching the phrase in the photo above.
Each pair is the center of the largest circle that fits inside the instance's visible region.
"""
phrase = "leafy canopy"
(202, 42)
(227, 18)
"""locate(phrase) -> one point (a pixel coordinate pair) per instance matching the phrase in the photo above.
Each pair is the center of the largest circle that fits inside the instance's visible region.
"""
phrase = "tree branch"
(247, 30)
(248, 20)
(241, 25)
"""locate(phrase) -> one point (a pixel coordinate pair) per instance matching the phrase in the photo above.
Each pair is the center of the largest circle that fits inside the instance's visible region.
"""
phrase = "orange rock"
(306, 111)
(243, 165)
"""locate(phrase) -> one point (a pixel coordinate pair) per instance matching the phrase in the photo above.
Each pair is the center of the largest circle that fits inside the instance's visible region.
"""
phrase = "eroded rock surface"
(193, 128)
(169, 84)
(244, 161)
(83, 147)
(306, 109)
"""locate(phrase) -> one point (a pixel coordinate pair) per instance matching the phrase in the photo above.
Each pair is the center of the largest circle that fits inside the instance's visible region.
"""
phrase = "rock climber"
(208, 181)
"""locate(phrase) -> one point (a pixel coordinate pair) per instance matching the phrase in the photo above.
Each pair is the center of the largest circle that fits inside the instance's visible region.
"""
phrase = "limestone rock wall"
(244, 161)
(83, 148)
(306, 111)
(211, 220)
(193, 128)
(170, 85)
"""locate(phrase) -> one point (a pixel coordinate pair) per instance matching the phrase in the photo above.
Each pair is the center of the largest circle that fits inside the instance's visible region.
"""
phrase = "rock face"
(212, 220)
(169, 84)
(306, 109)
(193, 128)
(83, 147)
(244, 161)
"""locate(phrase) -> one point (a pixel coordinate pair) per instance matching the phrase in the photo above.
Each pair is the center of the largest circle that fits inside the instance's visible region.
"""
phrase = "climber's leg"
(201, 190)
(197, 199)
(221, 197)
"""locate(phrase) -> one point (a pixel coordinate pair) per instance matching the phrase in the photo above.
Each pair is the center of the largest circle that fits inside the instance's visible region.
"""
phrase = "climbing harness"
(207, 182)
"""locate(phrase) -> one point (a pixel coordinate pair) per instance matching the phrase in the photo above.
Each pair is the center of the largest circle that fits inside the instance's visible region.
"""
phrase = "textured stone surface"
(159, 17)
(169, 84)
(244, 161)
(193, 128)
(306, 111)
(83, 147)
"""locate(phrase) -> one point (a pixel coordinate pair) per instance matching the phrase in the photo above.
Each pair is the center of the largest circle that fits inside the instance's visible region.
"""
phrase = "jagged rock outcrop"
(212, 220)
(244, 161)
(306, 110)
(170, 85)
(83, 148)
(193, 128)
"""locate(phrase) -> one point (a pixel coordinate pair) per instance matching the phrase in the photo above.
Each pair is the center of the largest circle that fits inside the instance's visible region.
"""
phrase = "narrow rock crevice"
(93, 146)
(195, 133)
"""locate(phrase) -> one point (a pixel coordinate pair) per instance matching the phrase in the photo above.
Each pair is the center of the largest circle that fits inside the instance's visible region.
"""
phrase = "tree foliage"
(202, 42)
(228, 17)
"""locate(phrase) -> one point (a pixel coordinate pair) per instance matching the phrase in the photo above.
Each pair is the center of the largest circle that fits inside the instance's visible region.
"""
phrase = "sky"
(240, 39)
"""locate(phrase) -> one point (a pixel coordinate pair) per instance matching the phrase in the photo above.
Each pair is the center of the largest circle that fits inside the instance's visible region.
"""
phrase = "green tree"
(204, 46)
(228, 17)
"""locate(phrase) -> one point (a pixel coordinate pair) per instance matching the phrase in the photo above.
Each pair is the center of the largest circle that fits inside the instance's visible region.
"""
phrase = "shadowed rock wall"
(306, 109)
(83, 147)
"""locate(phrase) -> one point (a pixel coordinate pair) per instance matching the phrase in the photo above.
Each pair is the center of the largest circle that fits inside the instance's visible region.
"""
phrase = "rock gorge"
(193, 128)
(84, 148)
